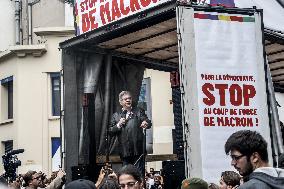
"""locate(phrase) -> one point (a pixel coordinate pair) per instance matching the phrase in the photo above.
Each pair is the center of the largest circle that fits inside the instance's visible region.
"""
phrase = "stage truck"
(223, 77)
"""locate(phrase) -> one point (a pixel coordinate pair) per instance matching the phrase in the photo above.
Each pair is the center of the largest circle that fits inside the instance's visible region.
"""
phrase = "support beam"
(144, 39)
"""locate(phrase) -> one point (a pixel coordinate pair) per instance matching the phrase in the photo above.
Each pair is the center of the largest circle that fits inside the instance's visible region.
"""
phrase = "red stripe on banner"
(200, 16)
(236, 18)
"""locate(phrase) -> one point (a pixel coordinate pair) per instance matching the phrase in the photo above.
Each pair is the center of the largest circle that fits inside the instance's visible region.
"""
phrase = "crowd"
(247, 149)
(34, 179)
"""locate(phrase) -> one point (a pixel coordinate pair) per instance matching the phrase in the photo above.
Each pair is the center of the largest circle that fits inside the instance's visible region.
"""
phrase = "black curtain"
(100, 79)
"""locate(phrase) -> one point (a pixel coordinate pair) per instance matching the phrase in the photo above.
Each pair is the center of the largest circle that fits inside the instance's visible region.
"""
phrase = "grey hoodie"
(265, 178)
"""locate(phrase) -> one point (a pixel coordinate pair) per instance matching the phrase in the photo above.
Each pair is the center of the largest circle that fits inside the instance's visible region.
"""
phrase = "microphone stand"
(143, 156)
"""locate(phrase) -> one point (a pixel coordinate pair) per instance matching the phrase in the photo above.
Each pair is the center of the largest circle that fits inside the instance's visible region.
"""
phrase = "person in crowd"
(149, 180)
(43, 180)
(109, 183)
(107, 180)
(51, 178)
(130, 177)
(128, 125)
(152, 171)
(80, 184)
(32, 180)
(194, 183)
(229, 180)
(213, 186)
(249, 154)
(101, 178)
(158, 183)
(17, 184)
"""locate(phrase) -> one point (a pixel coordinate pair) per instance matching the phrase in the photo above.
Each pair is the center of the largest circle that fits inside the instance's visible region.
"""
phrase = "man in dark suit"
(128, 124)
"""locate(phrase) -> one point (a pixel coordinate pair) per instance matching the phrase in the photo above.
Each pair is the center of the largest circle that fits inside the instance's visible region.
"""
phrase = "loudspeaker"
(79, 172)
(173, 173)
(89, 172)
(177, 133)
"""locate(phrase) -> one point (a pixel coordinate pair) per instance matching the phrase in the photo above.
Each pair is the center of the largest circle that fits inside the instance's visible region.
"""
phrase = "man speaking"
(128, 125)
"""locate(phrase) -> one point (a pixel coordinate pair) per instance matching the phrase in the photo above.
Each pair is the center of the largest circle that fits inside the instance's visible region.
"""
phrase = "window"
(8, 145)
(7, 98)
(144, 102)
(55, 85)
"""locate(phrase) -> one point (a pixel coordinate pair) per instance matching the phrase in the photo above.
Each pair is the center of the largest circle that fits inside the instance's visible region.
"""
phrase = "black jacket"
(130, 136)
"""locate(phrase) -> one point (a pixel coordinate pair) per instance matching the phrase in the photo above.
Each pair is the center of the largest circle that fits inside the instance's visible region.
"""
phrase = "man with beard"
(128, 125)
(32, 180)
(248, 151)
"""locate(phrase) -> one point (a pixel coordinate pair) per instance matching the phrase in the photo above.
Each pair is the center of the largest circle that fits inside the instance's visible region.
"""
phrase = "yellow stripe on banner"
(77, 19)
(223, 17)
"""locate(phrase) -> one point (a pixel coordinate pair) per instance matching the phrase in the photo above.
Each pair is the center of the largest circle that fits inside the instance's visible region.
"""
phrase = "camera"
(107, 169)
(11, 163)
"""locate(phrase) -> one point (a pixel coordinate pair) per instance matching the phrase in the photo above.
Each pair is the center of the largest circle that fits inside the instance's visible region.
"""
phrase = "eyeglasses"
(129, 185)
(127, 98)
(37, 178)
(237, 158)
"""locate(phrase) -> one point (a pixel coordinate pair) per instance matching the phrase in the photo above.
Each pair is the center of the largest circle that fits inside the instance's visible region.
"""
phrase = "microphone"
(123, 115)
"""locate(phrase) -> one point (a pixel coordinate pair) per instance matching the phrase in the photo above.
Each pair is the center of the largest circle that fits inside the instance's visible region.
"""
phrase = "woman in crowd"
(130, 177)
(230, 180)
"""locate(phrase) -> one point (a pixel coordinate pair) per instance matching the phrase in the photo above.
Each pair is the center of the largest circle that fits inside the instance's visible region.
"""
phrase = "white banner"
(273, 14)
(92, 14)
(231, 86)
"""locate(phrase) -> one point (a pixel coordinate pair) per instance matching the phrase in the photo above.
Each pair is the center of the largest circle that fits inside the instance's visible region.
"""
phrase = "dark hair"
(247, 142)
(28, 177)
(231, 178)
(130, 170)
(213, 186)
(110, 184)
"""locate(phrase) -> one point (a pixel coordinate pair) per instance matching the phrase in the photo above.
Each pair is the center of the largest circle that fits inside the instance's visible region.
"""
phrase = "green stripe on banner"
(248, 19)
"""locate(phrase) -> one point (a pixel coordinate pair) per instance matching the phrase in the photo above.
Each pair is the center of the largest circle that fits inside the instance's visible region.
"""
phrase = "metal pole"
(144, 155)
(62, 147)
(30, 24)
(17, 20)
(30, 21)
(281, 2)
(274, 112)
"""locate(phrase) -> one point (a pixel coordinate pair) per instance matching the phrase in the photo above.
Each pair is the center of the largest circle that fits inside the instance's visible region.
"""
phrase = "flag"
(225, 3)
(56, 159)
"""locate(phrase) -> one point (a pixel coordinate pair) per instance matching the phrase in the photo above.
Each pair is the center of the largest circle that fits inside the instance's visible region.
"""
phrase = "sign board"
(92, 14)
(223, 75)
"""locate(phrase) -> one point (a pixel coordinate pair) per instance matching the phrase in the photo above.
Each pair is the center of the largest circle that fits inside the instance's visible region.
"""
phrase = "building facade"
(30, 66)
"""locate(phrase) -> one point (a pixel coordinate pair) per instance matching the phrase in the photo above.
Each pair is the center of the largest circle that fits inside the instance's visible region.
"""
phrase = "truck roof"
(150, 37)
